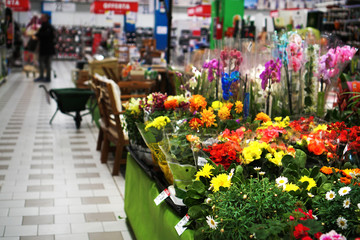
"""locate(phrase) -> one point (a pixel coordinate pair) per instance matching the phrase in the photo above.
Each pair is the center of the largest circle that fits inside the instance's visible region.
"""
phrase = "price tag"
(202, 161)
(180, 226)
(162, 196)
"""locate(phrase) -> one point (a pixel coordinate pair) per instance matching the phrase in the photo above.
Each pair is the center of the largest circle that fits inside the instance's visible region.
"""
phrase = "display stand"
(147, 220)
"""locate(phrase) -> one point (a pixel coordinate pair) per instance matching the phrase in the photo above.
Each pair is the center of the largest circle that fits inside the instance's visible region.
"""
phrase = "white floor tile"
(86, 227)
(16, 231)
(67, 201)
(70, 218)
(83, 209)
(10, 221)
(54, 210)
(79, 236)
(49, 229)
(25, 211)
(126, 235)
(115, 226)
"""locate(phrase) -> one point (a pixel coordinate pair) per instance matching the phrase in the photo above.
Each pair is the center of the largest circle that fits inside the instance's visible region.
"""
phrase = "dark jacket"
(46, 36)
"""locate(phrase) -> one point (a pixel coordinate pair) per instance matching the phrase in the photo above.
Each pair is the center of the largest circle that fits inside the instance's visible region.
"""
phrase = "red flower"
(224, 153)
(317, 235)
(300, 231)
(307, 238)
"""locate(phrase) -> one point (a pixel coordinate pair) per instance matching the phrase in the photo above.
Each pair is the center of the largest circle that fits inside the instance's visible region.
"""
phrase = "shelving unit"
(3, 61)
(68, 44)
(344, 21)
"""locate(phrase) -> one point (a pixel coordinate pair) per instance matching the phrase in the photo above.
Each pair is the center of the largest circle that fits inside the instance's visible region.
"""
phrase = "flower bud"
(222, 230)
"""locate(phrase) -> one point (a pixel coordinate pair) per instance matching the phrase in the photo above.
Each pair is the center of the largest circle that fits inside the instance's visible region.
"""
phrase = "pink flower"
(295, 63)
(332, 235)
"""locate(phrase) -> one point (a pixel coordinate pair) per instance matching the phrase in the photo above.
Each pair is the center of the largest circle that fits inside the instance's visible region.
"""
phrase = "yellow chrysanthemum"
(208, 117)
(224, 113)
(221, 180)
(159, 123)
(239, 107)
(204, 172)
(311, 182)
(216, 105)
(291, 187)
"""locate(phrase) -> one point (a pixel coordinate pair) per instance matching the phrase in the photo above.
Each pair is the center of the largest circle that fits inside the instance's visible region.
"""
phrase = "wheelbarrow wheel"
(77, 119)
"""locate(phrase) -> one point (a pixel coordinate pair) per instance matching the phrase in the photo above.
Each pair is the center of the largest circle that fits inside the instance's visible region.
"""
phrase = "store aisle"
(52, 184)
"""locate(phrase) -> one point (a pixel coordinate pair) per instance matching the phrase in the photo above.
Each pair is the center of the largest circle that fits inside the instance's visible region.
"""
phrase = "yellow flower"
(224, 113)
(221, 180)
(238, 107)
(320, 127)
(159, 122)
(276, 157)
(208, 117)
(291, 187)
(204, 172)
(253, 151)
(133, 106)
(311, 182)
(216, 105)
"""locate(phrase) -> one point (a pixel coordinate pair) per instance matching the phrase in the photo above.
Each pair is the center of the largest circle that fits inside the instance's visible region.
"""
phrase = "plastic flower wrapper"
(311, 83)
(331, 65)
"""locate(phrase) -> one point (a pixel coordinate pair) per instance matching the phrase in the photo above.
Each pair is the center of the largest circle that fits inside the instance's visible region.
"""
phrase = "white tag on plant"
(249, 47)
(162, 196)
(202, 161)
(180, 226)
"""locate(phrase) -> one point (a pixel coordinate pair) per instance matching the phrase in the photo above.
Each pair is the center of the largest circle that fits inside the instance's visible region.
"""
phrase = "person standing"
(46, 38)
(13, 38)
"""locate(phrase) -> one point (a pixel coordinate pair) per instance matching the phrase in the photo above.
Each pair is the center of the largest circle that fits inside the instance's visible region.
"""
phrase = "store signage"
(18, 5)
(203, 11)
(100, 7)
(191, 11)
(59, 7)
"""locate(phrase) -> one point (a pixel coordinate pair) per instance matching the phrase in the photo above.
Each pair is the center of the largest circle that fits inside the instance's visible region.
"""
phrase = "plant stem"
(288, 81)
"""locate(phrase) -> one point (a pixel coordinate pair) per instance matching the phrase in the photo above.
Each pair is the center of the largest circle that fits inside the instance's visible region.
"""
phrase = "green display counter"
(147, 220)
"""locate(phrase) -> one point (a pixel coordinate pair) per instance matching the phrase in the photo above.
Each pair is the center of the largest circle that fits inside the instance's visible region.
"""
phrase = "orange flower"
(345, 180)
(238, 107)
(208, 117)
(262, 117)
(224, 112)
(195, 123)
(197, 102)
(171, 104)
(328, 170)
(316, 147)
(229, 105)
(192, 138)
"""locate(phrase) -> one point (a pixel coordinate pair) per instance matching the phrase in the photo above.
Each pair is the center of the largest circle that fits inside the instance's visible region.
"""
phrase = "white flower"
(257, 168)
(346, 203)
(261, 173)
(342, 223)
(315, 217)
(208, 200)
(310, 194)
(330, 195)
(193, 83)
(211, 222)
(358, 205)
(196, 72)
(281, 181)
(344, 190)
(231, 173)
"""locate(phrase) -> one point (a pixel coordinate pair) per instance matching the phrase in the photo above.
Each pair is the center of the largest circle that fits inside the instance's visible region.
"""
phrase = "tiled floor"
(52, 184)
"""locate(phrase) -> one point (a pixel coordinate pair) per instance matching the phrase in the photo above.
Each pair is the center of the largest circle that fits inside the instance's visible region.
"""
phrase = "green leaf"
(326, 187)
(286, 160)
(300, 158)
(314, 172)
(195, 212)
(199, 187)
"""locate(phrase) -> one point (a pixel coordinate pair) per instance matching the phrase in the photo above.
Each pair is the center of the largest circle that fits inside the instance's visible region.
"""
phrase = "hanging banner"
(203, 11)
(18, 5)
(100, 7)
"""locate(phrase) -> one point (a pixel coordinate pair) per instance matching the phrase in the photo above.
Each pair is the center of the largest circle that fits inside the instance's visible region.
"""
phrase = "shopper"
(46, 38)
(13, 38)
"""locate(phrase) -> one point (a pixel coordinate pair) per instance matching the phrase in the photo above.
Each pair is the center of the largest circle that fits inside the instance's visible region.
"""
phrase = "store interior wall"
(83, 17)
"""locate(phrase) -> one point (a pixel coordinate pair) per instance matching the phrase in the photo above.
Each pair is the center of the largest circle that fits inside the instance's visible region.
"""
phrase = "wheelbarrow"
(71, 100)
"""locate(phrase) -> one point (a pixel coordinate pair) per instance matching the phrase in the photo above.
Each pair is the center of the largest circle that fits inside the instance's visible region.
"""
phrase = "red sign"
(18, 5)
(191, 11)
(100, 7)
(203, 11)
